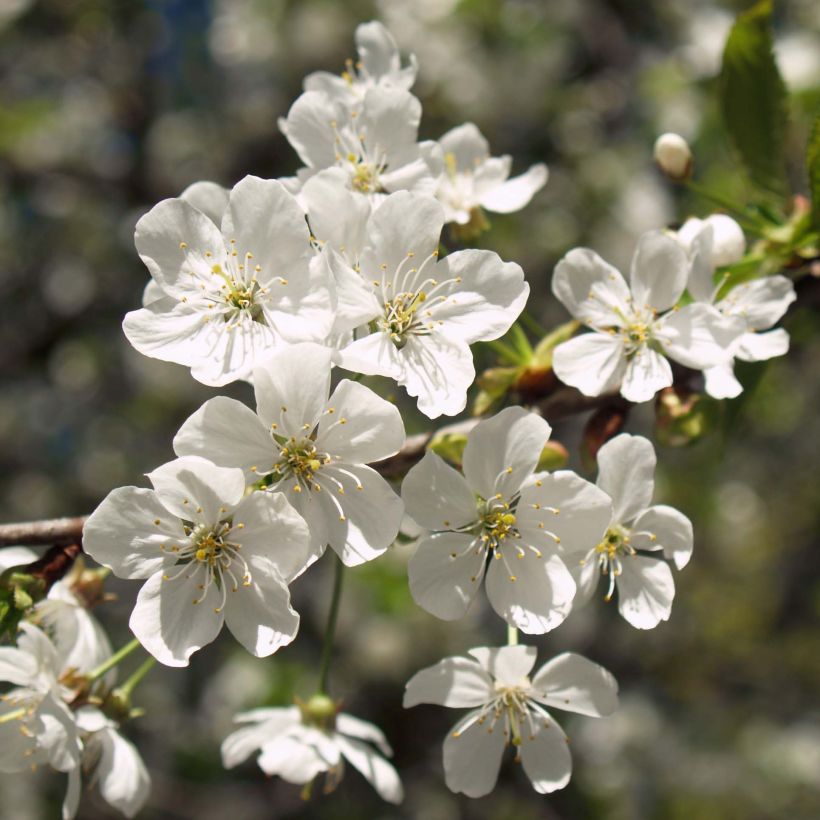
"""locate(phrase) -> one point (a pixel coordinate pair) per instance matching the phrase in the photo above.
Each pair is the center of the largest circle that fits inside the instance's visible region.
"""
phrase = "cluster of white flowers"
(639, 325)
(281, 283)
(52, 714)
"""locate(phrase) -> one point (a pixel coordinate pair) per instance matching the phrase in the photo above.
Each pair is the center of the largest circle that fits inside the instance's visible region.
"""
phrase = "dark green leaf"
(753, 97)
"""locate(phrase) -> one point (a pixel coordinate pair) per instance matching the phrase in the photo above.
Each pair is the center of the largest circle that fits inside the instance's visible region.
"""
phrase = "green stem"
(112, 661)
(512, 636)
(330, 629)
(723, 202)
(532, 324)
(136, 678)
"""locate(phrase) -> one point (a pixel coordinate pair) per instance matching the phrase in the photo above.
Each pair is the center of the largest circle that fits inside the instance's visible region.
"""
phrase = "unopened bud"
(728, 241)
(673, 156)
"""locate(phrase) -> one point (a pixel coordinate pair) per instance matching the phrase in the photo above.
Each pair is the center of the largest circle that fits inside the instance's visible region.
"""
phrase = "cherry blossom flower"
(756, 305)
(638, 538)
(230, 294)
(473, 180)
(426, 311)
(375, 143)
(109, 760)
(503, 519)
(35, 725)
(209, 555)
(311, 446)
(632, 335)
(379, 65)
(508, 708)
(297, 743)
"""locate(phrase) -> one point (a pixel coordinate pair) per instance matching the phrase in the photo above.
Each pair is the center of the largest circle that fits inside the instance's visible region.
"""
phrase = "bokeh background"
(106, 108)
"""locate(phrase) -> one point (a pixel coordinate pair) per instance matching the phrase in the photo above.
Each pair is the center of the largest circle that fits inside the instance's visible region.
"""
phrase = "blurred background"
(106, 108)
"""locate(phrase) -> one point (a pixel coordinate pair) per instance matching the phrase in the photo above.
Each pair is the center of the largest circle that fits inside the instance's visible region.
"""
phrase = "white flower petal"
(196, 489)
(488, 296)
(729, 244)
(124, 781)
(373, 355)
(404, 223)
(720, 381)
(362, 730)
(17, 667)
(659, 271)
(467, 145)
(645, 591)
(16, 556)
(759, 347)
(229, 434)
(241, 744)
(626, 473)
(437, 370)
(502, 451)
(571, 682)
(379, 773)
(363, 426)
(698, 335)
(274, 537)
(292, 760)
(171, 238)
(472, 756)
(515, 193)
(590, 289)
(71, 802)
(208, 197)
(445, 572)
(593, 362)
(701, 273)
(122, 533)
(437, 496)
(545, 756)
(267, 221)
(563, 505)
(646, 373)
(672, 532)
(338, 216)
(167, 621)
(356, 304)
(508, 665)
(533, 594)
(760, 302)
(308, 128)
(457, 682)
(260, 616)
(57, 735)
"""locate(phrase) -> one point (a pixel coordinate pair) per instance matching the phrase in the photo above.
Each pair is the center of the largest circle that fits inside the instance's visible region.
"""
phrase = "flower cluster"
(284, 283)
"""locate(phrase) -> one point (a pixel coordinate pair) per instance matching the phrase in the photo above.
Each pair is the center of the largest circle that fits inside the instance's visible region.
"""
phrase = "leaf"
(813, 168)
(753, 97)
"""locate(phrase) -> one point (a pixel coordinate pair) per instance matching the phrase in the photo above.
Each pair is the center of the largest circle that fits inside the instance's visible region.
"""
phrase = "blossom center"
(301, 460)
(400, 316)
(609, 552)
(498, 524)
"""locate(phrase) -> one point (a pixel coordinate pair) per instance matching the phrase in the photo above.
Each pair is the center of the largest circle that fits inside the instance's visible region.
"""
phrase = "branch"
(40, 533)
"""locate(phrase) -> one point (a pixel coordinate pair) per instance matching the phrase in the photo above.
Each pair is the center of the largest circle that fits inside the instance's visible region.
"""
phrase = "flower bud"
(673, 156)
(728, 241)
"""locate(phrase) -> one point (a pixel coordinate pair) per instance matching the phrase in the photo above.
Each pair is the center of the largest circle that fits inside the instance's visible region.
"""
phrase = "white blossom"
(35, 724)
(297, 747)
(638, 539)
(375, 142)
(379, 65)
(210, 555)
(109, 760)
(673, 156)
(425, 311)
(504, 519)
(757, 305)
(632, 334)
(508, 708)
(230, 293)
(312, 446)
(472, 179)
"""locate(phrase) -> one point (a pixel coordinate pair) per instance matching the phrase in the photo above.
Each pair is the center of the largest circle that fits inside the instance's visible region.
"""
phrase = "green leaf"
(813, 168)
(753, 97)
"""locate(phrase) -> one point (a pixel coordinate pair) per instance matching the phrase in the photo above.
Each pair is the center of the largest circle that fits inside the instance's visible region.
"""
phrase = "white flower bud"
(673, 156)
(728, 242)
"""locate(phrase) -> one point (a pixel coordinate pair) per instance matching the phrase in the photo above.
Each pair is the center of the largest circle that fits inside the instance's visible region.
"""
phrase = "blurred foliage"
(106, 108)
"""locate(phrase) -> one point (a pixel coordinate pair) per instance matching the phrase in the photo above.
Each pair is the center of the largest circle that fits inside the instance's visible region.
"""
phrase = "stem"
(112, 661)
(330, 629)
(720, 200)
(136, 678)
(532, 324)
(512, 636)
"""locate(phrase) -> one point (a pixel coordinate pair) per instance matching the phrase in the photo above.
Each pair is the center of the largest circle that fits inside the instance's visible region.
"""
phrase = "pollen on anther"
(157, 521)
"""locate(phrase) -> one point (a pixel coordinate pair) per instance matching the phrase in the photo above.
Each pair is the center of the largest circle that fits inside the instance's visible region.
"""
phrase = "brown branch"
(39, 533)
